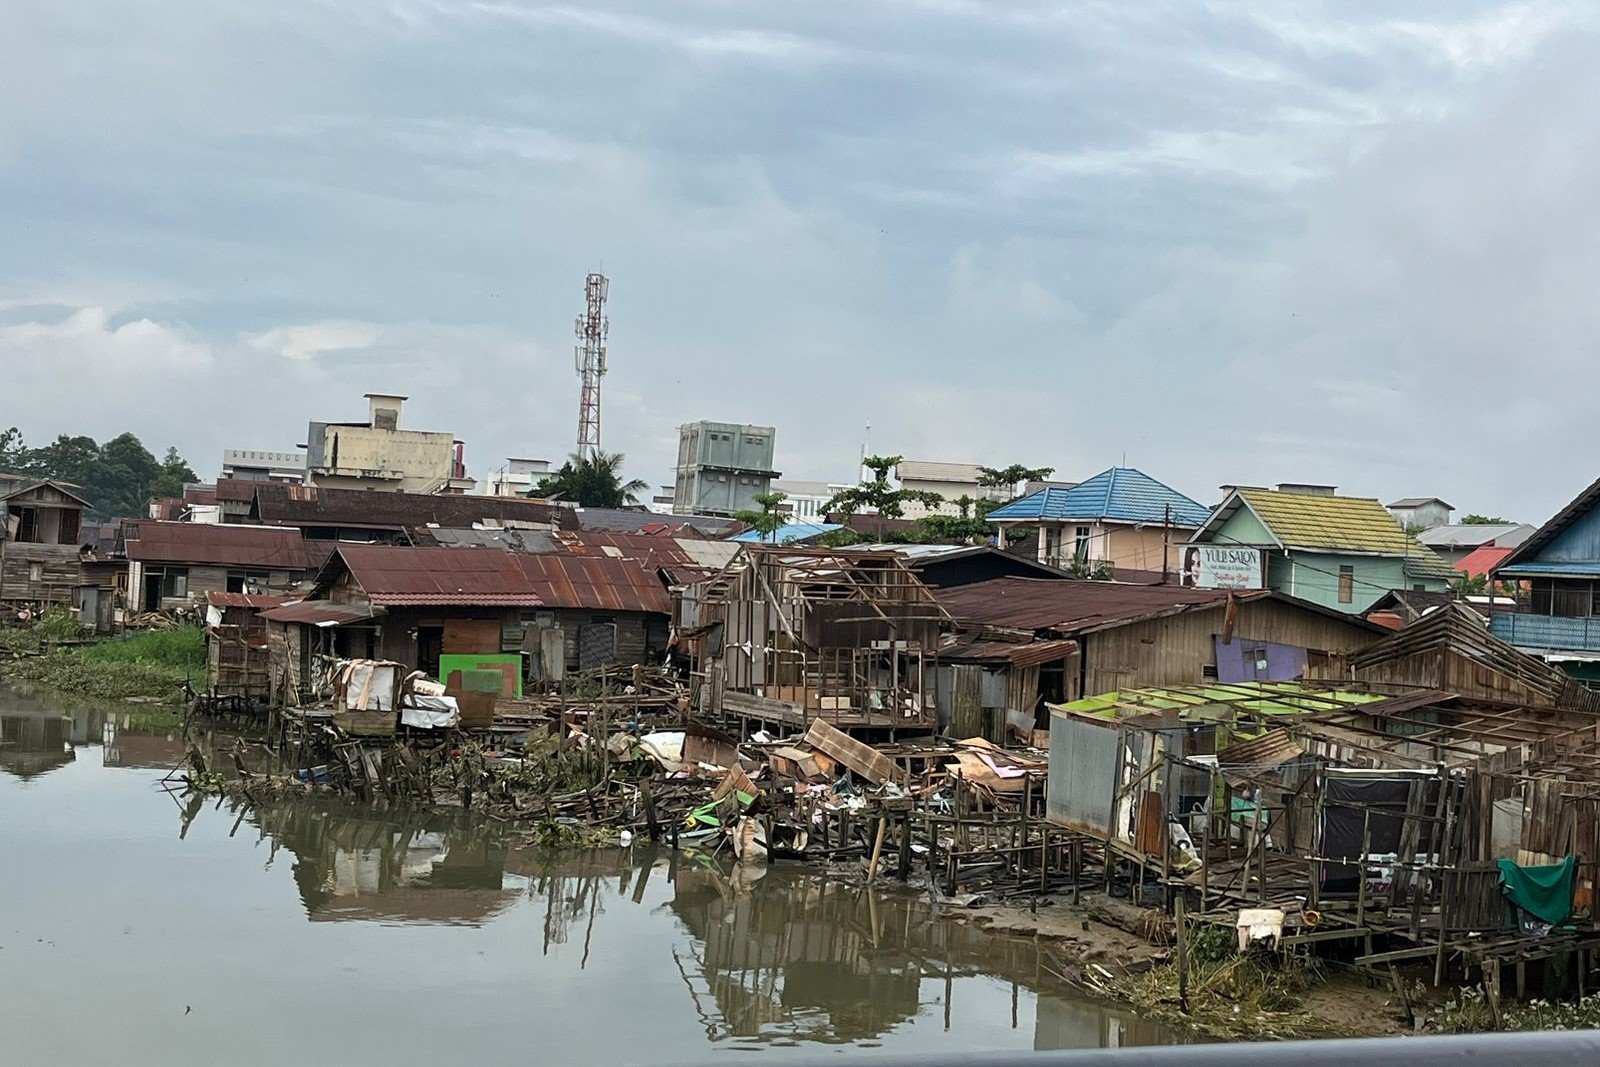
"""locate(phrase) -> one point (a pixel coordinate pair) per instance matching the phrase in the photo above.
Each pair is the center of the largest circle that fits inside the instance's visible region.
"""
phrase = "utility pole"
(1166, 543)
(589, 359)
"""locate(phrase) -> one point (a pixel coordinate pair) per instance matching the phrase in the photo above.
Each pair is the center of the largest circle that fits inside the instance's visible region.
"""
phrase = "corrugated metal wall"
(1083, 765)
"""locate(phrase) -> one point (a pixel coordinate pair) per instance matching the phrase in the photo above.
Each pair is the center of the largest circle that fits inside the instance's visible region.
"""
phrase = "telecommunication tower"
(589, 358)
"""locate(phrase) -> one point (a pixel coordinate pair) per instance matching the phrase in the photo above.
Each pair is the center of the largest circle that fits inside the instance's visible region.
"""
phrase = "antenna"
(589, 359)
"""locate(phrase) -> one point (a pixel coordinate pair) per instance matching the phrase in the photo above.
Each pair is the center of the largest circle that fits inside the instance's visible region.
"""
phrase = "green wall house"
(1341, 552)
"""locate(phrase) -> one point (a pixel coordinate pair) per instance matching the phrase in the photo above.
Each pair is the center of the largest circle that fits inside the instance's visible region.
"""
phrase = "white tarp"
(430, 712)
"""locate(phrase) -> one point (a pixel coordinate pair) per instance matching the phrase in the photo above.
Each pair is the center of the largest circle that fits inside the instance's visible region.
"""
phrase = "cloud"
(1240, 241)
(91, 345)
(314, 339)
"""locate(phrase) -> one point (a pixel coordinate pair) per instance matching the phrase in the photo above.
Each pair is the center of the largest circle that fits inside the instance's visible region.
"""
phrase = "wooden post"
(1183, 949)
(903, 871)
(1361, 876)
(1491, 988)
(648, 801)
(1261, 848)
(877, 849)
(1075, 860)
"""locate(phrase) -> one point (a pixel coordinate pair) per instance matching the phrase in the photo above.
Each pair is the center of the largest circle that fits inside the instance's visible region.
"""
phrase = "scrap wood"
(861, 759)
(735, 781)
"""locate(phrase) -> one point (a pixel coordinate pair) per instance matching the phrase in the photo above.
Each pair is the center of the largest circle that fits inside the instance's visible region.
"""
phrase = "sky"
(1353, 242)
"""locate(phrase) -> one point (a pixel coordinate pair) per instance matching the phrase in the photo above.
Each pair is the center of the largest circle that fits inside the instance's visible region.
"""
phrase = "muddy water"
(137, 926)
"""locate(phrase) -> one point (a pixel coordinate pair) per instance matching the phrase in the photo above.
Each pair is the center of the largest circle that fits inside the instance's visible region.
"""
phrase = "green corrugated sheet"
(1207, 701)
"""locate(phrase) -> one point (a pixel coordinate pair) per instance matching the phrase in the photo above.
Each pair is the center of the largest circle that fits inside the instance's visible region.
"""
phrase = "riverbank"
(147, 666)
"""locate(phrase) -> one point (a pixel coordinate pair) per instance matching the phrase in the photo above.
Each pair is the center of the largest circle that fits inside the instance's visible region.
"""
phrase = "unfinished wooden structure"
(787, 635)
(1378, 820)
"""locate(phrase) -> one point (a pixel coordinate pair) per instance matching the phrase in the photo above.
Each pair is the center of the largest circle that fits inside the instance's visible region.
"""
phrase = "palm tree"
(592, 482)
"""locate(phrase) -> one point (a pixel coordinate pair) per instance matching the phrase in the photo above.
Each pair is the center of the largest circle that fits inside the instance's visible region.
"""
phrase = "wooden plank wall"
(1177, 649)
(59, 564)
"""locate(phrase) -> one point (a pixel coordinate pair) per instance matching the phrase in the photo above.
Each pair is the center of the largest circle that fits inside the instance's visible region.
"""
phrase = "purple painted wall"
(1259, 661)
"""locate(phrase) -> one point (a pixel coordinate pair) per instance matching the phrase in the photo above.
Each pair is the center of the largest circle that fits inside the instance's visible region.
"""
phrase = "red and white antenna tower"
(589, 358)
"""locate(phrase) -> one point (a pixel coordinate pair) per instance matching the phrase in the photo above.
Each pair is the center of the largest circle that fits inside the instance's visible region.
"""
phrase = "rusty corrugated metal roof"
(317, 612)
(265, 547)
(247, 600)
(395, 576)
(598, 582)
(1059, 604)
(310, 505)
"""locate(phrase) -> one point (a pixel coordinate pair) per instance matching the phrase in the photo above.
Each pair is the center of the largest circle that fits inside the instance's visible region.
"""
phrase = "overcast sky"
(1351, 242)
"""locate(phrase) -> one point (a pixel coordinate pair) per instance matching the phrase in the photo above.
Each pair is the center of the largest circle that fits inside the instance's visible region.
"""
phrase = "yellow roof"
(1332, 523)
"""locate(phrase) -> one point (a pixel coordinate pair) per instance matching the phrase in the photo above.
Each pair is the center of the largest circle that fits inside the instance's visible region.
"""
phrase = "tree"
(1008, 477)
(118, 478)
(592, 482)
(173, 475)
(769, 519)
(13, 452)
(1483, 520)
(876, 495)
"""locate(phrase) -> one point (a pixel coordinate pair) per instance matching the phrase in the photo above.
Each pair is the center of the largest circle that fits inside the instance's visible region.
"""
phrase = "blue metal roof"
(789, 533)
(1534, 567)
(1121, 494)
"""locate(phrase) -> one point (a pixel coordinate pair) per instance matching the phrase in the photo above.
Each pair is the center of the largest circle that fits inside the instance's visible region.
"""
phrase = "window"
(36, 572)
(1570, 599)
(1541, 596)
(248, 581)
(1347, 584)
(1050, 541)
(1419, 588)
(1080, 548)
(175, 582)
(69, 528)
(27, 525)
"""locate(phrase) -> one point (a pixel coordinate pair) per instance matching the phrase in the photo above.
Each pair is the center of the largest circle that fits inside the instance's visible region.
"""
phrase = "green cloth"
(1543, 892)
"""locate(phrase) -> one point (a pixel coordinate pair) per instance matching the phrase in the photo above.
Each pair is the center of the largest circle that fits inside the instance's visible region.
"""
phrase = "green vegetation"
(118, 478)
(1483, 520)
(154, 663)
(769, 520)
(592, 482)
(1468, 1012)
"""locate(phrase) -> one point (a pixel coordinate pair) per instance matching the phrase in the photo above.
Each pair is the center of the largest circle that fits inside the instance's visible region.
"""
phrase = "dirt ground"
(1116, 934)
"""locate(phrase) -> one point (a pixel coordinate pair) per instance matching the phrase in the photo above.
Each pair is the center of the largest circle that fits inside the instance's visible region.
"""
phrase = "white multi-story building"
(263, 465)
(805, 500)
(517, 477)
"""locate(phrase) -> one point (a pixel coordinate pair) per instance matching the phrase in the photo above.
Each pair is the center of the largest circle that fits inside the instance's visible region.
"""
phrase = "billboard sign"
(1219, 567)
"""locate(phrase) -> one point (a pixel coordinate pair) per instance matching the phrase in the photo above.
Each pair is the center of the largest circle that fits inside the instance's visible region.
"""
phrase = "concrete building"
(950, 480)
(804, 500)
(722, 467)
(1421, 512)
(517, 477)
(1456, 541)
(378, 455)
(263, 465)
(1120, 519)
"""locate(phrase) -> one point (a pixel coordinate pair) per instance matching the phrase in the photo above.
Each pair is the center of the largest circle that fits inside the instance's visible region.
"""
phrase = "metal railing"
(1546, 631)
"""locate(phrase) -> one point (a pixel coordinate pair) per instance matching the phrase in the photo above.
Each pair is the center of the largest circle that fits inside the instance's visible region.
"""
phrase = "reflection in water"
(397, 868)
(38, 733)
(777, 956)
(638, 953)
(34, 744)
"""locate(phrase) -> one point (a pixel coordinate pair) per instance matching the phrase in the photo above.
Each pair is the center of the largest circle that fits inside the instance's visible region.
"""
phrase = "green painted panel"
(481, 673)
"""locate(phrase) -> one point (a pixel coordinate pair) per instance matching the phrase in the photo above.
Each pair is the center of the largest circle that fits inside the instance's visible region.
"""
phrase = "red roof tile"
(1482, 560)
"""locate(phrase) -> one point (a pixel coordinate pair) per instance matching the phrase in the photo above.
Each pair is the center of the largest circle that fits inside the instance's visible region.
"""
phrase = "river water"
(139, 926)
